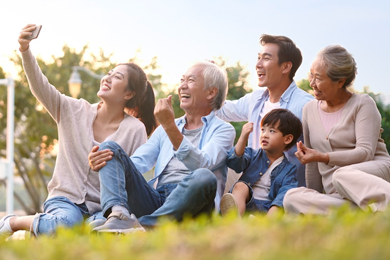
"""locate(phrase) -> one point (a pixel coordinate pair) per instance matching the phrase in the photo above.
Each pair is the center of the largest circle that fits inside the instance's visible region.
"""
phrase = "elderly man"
(277, 63)
(188, 153)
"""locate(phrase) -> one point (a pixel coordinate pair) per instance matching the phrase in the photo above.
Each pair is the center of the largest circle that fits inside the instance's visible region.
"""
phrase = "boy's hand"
(241, 143)
(246, 130)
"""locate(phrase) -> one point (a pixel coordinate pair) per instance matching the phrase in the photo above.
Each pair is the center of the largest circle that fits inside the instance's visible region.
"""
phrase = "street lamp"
(7, 165)
(75, 80)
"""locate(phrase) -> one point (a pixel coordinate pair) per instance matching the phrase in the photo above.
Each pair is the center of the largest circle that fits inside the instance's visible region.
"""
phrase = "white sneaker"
(5, 229)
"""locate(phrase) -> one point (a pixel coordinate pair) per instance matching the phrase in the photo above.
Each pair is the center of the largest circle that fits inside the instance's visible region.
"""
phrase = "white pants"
(365, 185)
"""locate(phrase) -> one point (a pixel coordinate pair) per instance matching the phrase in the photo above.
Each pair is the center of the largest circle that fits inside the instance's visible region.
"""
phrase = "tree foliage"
(237, 86)
(237, 79)
(304, 84)
(384, 110)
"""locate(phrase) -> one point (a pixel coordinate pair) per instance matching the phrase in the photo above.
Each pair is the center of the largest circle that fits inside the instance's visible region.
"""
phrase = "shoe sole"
(96, 223)
(122, 231)
(228, 203)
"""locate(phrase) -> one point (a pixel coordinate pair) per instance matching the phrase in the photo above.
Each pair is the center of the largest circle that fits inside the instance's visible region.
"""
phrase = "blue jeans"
(122, 184)
(60, 211)
(253, 204)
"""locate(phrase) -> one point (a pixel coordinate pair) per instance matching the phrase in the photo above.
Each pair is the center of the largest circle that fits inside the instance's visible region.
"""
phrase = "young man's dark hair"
(288, 51)
(286, 122)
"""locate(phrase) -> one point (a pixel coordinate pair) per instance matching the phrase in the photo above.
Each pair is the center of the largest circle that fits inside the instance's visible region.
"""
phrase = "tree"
(30, 139)
(35, 131)
(304, 84)
(384, 110)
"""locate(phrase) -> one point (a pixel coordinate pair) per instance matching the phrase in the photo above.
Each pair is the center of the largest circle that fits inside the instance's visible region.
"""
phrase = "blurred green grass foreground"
(344, 234)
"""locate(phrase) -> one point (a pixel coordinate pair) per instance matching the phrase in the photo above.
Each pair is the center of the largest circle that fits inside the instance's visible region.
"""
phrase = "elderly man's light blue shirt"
(216, 139)
(249, 107)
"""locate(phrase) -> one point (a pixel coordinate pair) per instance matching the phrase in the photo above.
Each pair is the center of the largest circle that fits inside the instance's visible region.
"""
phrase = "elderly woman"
(347, 161)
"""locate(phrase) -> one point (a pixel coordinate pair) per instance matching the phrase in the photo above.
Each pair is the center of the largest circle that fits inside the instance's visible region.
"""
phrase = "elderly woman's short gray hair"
(339, 62)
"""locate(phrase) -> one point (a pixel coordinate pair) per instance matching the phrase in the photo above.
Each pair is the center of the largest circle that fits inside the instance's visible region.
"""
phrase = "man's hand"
(164, 113)
(97, 159)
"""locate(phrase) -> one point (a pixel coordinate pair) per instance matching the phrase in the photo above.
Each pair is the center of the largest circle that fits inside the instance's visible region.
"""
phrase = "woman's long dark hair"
(143, 102)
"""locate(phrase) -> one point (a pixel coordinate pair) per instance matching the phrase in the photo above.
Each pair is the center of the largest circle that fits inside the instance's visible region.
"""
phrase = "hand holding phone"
(35, 33)
(27, 34)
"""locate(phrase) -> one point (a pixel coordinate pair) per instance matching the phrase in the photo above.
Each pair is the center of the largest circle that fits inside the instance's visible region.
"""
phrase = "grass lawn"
(342, 235)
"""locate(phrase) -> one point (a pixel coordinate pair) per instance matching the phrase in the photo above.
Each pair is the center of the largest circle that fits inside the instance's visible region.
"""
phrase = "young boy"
(267, 174)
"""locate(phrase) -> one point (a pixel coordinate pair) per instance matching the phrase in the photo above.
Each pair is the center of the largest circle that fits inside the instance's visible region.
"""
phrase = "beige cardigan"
(72, 176)
(355, 138)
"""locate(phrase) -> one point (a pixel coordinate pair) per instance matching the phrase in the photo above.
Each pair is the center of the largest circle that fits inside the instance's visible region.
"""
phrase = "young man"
(277, 63)
(267, 174)
(189, 155)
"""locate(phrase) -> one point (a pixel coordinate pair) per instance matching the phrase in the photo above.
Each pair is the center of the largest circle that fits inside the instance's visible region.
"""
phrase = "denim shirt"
(248, 108)
(216, 139)
(254, 163)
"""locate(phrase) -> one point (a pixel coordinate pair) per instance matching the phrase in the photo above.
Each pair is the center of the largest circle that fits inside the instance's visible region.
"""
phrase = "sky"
(180, 32)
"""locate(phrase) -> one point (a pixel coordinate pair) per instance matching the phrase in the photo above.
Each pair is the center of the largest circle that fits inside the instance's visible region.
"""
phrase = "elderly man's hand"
(164, 112)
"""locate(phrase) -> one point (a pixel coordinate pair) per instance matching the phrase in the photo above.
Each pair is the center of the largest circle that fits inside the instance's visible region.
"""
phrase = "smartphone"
(35, 33)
